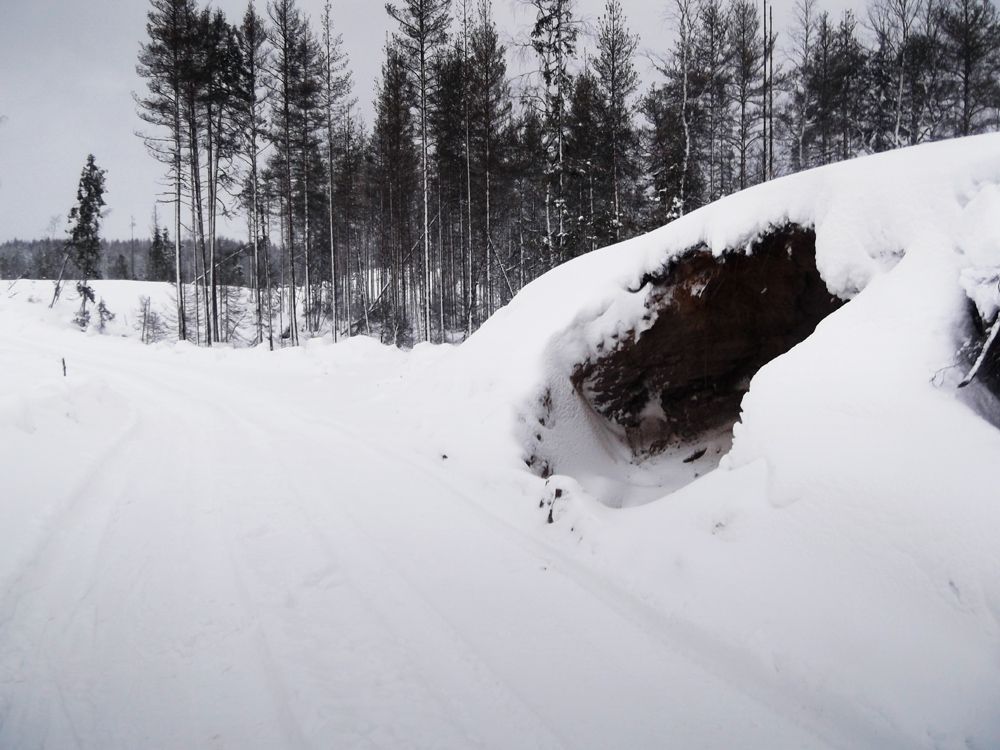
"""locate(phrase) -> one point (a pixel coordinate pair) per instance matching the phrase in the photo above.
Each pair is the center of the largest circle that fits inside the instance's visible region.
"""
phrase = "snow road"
(238, 551)
(340, 546)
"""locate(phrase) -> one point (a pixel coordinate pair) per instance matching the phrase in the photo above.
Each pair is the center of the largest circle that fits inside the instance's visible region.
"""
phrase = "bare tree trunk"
(441, 269)
(213, 176)
(308, 301)
(333, 248)
(426, 188)
(469, 280)
(685, 14)
(178, 176)
(255, 229)
(198, 216)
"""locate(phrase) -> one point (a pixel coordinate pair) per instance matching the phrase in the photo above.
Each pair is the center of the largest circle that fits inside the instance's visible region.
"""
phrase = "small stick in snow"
(64, 366)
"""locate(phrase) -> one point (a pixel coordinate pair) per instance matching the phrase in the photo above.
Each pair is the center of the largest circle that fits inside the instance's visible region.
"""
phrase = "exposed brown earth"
(717, 321)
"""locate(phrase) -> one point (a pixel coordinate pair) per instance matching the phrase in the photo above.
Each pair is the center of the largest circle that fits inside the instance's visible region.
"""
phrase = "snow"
(341, 545)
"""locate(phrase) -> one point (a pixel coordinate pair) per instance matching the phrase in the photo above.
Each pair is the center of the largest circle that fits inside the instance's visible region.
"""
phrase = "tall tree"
(687, 14)
(799, 106)
(395, 170)
(892, 22)
(490, 106)
(585, 178)
(85, 230)
(617, 81)
(218, 76)
(423, 26)
(286, 34)
(250, 110)
(713, 59)
(163, 62)
(748, 83)
(554, 38)
(336, 90)
(971, 33)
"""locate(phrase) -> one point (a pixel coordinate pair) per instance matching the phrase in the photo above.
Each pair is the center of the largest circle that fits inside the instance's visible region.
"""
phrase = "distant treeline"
(119, 259)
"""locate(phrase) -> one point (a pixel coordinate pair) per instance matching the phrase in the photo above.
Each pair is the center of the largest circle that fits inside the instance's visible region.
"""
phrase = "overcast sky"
(67, 73)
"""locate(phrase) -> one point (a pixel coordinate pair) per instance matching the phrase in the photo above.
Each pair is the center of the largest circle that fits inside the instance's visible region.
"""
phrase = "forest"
(473, 180)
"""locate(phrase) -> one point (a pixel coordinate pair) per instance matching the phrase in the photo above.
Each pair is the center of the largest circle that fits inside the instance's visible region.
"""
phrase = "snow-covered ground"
(341, 546)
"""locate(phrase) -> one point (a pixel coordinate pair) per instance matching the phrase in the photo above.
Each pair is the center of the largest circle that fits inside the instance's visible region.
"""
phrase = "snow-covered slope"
(939, 202)
(341, 546)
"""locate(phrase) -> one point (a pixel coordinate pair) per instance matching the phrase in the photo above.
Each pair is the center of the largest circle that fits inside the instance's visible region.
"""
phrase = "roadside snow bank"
(867, 214)
(845, 553)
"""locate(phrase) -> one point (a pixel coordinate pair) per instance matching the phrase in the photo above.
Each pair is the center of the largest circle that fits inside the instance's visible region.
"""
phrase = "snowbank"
(846, 550)
(939, 200)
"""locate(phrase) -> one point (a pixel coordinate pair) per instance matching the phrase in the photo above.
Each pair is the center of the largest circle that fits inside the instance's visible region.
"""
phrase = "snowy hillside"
(552, 535)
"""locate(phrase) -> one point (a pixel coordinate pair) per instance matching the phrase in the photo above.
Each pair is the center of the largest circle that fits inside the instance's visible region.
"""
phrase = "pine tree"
(554, 38)
(308, 124)
(448, 128)
(971, 31)
(893, 22)
(822, 88)
(249, 112)
(164, 61)
(336, 79)
(286, 33)
(395, 165)
(490, 108)
(748, 84)
(423, 26)
(217, 75)
(850, 59)
(85, 231)
(712, 65)
(798, 115)
(617, 81)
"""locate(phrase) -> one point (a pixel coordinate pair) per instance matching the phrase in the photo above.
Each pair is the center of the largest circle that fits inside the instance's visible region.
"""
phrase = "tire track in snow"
(725, 661)
(48, 560)
(668, 632)
(205, 399)
(381, 562)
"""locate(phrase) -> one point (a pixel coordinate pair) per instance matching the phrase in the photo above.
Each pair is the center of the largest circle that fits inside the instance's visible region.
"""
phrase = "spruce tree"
(158, 266)
(585, 183)
(85, 231)
(119, 268)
